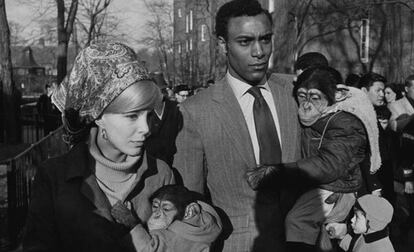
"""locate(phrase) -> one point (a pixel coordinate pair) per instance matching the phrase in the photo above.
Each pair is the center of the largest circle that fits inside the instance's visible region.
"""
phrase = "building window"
(180, 15)
(187, 24)
(203, 32)
(179, 48)
(186, 46)
(191, 20)
(191, 44)
(364, 43)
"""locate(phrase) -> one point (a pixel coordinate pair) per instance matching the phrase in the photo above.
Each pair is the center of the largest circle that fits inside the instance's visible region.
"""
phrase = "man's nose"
(257, 50)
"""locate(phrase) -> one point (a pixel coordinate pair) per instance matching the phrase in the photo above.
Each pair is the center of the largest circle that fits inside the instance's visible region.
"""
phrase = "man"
(181, 93)
(373, 85)
(47, 110)
(165, 122)
(402, 121)
(223, 131)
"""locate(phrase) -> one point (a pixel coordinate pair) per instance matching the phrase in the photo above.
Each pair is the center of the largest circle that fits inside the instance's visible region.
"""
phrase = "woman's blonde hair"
(141, 95)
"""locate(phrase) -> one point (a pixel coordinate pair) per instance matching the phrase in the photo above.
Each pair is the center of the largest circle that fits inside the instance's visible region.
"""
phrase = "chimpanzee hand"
(262, 176)
(124, 216)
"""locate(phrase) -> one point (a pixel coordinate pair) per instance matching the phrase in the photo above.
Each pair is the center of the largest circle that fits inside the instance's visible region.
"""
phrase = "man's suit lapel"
(230, 114)
(287, 133)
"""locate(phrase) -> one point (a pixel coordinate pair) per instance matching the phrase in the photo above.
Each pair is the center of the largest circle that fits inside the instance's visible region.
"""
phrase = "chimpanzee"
(337, 123)
(180, 221)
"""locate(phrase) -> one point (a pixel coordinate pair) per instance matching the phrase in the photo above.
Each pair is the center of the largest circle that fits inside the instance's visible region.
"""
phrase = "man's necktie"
(269, 145)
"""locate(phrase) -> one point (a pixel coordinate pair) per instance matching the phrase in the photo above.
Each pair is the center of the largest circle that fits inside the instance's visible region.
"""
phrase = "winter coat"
(69, 211)
(335, 146)
(181, 236)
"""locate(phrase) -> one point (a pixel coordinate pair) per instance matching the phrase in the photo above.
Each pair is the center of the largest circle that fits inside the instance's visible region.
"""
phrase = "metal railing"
(21, 170)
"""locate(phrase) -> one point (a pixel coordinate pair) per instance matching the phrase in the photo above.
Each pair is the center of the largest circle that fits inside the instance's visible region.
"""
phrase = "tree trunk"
(64, 31)
(9, 95)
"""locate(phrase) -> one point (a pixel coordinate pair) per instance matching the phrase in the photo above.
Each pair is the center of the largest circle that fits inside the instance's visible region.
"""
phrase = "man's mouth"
(259, 66)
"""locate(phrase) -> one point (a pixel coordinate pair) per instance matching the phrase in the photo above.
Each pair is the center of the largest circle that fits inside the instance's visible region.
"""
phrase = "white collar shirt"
(246, 101)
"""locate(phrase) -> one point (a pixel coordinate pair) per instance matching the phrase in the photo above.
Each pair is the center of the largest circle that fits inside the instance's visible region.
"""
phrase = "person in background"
(392, 93)
(402, 122)
(309, 59)
(48, 112)
(241, 122)
(352, 80)
(182, 92)
(210, 83)
(369, 226)
(105, 103)
(165, 122)
(373, 85)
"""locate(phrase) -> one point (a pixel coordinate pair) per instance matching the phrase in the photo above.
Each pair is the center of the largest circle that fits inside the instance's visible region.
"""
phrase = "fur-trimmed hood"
(356, 102)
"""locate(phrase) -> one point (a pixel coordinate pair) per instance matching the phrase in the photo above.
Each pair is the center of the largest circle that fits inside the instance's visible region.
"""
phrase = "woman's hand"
(124, 216)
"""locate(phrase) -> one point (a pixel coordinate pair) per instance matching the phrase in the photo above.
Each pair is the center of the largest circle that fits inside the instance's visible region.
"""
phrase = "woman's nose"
(142, 125)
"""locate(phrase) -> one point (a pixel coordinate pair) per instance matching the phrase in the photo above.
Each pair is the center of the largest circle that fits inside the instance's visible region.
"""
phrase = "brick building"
(336, 32)
(196, 55)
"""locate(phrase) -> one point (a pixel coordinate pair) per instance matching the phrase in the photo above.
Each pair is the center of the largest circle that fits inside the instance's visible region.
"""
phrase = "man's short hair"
(368, 79)
(180, 88)
(237, 8)
(310, 59)
(409, 81)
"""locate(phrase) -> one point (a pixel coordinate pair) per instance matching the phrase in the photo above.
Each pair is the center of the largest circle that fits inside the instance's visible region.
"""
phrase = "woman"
(105, 103)
(392, 93)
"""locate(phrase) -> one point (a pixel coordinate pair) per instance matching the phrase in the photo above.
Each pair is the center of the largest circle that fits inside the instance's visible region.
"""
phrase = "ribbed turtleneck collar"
(113, 171)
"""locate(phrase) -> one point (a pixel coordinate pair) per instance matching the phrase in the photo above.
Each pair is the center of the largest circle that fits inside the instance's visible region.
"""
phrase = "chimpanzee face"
(163, 214)
(312, 105)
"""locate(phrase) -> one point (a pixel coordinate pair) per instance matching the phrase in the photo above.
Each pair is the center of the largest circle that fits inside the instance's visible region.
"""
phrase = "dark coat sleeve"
(41, 232)
(342, 148)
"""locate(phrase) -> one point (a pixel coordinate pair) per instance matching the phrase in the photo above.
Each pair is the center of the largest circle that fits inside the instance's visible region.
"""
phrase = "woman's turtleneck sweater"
(116, 179)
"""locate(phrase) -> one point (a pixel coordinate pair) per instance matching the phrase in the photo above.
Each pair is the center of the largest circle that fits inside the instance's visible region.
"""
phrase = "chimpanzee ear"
(192, 210)
(341, 92)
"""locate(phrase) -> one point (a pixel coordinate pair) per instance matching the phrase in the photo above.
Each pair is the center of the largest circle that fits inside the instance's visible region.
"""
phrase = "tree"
(336, 24)
(10, 120)
(159, 29)
(64, 31)
(91, 17)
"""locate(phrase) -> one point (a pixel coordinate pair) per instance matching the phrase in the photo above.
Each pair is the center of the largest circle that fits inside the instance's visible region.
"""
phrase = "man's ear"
(222, 44)
(192, 210)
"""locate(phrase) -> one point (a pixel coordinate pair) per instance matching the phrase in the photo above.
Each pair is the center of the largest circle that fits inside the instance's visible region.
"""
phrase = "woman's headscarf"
(100, 73)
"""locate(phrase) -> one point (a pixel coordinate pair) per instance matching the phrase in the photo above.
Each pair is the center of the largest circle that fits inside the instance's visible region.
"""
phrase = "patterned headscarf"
(100, 73)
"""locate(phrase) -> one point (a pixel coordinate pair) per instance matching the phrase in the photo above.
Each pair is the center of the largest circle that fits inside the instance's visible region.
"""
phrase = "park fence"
(20, 175)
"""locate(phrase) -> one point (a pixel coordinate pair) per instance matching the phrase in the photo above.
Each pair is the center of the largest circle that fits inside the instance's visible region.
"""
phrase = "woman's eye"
(132, 116)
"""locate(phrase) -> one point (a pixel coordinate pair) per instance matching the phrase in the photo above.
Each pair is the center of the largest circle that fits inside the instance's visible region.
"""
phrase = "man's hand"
(262, 175)
(409, 187)
(336, 230)
(124, 216)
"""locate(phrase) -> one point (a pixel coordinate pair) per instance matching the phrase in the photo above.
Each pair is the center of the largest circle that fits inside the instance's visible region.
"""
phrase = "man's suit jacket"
(214, 150)
(398, 108)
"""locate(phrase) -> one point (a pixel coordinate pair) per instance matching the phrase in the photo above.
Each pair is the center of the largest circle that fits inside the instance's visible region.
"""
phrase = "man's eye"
(267, 40)
(243, 42)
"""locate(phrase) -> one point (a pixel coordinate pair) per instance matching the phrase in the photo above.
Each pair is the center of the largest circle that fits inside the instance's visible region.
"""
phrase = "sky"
(132, 14)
